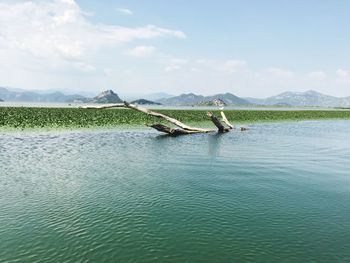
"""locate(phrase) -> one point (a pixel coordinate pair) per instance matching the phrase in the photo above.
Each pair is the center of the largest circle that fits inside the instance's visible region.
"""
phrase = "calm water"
(276, 193)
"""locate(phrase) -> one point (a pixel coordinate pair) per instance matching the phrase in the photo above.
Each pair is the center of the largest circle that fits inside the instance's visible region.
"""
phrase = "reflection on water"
(278, 192)
(214, 144)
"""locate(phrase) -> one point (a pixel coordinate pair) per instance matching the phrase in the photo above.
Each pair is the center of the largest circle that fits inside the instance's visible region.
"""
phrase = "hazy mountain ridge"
(30, 96)
(157, 96)
(145, 102)
(193, 99)
(108, 96)
(307, 98)
(301, 99)
(183, 99)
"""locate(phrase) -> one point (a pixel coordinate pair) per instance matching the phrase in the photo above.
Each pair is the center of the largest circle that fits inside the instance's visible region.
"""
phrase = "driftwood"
(155, 114)
(167, 118)
(183, 128)
(224, 119)
(217, 122)
(171, 131)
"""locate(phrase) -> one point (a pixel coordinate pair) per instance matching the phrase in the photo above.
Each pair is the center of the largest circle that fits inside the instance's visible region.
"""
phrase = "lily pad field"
(28, 118)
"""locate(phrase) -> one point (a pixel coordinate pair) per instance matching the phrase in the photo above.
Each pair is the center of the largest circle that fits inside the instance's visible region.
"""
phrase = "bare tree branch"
(217, 122)
(224, 119)
(167, 118)
(104, 106)
(171, 131)
(184, 129)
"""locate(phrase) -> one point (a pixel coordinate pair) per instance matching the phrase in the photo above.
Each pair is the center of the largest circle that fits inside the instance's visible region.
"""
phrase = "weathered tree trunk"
(184, 129)
(171, 131)
(217, 122)
(224, 119)
(167, 118)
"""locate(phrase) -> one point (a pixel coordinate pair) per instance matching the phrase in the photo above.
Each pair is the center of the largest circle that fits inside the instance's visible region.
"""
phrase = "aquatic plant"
(25, 117)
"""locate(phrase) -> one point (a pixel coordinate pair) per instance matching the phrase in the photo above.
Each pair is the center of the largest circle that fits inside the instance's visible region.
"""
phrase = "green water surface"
(276, 193)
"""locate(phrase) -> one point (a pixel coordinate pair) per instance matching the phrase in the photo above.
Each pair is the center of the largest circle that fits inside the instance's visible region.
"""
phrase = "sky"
(255, 48)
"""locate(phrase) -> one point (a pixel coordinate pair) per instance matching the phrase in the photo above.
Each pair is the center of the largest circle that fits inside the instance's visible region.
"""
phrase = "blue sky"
(249, 48)
(278, 32)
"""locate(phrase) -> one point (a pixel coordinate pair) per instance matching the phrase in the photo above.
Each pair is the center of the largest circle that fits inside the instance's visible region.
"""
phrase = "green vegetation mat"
(26, 118)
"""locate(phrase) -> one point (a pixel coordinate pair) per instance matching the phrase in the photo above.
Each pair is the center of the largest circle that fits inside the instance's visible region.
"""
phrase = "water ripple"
(278, 192)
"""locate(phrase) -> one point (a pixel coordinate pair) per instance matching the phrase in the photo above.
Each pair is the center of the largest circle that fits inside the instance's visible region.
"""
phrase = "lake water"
(276, 193)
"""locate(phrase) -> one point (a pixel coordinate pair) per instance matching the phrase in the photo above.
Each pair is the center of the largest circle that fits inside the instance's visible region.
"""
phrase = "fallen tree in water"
(182, 128)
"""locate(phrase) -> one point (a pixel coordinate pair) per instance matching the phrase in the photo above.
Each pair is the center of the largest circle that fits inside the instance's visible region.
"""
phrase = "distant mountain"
(193, 99)
(183, 99)
(19, 95)
(214, 102)
(1, 100)
(157, 96)
(30, 96)
(229, 99)
(307, 98)
(145, 102)
(107, 96)
(60, 97)
(302, 99)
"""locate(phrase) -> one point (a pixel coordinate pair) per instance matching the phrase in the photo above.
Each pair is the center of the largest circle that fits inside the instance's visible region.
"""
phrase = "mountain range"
(303, 99)
(31, 96)
(145, 102)
(156, 96)
(307, 98)
(193, 99)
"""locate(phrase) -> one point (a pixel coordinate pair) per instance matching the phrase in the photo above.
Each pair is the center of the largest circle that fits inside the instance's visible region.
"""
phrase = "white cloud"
(203, 61)
(173, 64)
(231, 66)
(278, 73)
(342, 73)
(84, 66)
(124, 11)
(343, 76)
(108, 71)
(141, 51)
(59, 30)
(71, 2)
(317, 75)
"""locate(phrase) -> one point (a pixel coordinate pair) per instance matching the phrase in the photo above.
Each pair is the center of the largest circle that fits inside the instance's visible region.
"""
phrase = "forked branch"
(224, 119)
(183, 128)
